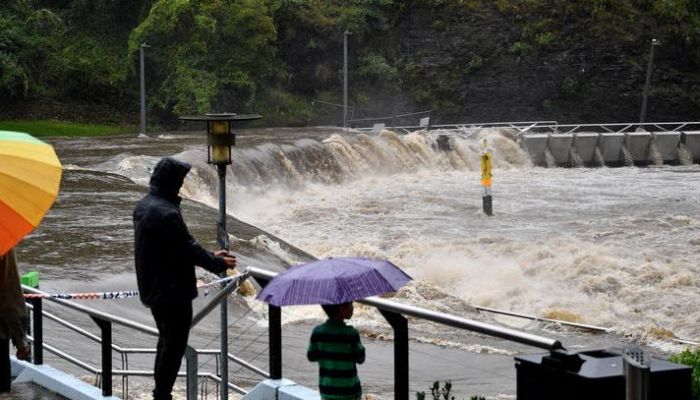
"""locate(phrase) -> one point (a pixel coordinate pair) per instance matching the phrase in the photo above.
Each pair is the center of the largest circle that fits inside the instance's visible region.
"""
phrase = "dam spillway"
(612, 148)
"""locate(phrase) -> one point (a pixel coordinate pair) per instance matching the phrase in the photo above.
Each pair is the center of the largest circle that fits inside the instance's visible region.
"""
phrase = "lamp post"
(345, 78)
(650, 68)
(142, 65)
(220, 139)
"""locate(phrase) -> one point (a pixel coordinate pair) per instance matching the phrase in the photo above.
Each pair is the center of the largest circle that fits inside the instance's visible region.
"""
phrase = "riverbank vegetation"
(464, 59)
(61, 128)
(691, 358)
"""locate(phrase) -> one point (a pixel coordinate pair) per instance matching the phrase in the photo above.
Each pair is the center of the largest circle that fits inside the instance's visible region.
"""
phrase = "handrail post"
(275, 322)
(106, 330)
(38, 330)
(192, 371)
(400, 325)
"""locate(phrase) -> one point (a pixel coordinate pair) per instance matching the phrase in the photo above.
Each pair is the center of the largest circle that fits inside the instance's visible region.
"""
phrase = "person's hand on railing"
(229, 258)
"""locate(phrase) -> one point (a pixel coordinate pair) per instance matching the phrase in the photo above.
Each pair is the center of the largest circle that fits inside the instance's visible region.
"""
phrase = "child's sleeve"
(312, 350)
(358, 349)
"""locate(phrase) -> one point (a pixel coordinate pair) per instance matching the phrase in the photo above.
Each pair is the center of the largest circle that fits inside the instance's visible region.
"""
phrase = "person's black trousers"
(5, 372)
(173, 321)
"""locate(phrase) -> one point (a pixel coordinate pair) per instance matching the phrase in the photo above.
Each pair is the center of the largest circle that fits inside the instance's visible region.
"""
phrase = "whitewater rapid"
(612, 247)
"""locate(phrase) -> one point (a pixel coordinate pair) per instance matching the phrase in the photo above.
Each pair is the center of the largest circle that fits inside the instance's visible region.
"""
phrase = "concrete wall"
(560, 147)
(585, 144)
(535, 145)
(691, 139)
(667, 145)
(611, 145)
(637, 144)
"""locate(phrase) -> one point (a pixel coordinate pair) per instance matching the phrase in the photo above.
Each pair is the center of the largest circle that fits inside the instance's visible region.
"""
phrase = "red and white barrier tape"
(123, 294)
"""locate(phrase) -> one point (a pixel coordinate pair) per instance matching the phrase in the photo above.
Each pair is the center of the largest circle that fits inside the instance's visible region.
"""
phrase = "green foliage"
(59, 128)
(274, 56)
(570, 87)
(520, 48)
(14, 80)
(375, 67)
(208, 54)
(691, 358)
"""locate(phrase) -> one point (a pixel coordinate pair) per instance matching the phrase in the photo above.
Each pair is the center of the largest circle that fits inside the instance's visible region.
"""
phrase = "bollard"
(5, 371)
(637, 371)
(486, 157)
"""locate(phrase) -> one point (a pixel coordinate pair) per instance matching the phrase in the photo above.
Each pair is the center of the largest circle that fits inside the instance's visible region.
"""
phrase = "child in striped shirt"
(337, 349)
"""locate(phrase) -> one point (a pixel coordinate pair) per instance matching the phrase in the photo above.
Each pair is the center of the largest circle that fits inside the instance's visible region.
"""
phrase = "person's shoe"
(24, 353)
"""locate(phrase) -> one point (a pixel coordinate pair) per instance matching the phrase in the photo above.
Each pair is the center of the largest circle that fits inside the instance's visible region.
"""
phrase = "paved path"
(29, 391)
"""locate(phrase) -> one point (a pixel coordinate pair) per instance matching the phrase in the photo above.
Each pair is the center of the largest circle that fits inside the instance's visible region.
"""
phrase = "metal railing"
(104, 321)
(396, 315)
(519, 125)
(628, 127)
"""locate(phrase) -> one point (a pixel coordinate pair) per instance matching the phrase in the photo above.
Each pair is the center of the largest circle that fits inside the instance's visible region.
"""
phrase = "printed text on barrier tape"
(125, 294)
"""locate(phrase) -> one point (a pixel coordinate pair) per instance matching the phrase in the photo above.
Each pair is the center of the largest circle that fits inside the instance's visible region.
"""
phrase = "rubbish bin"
(594, 374)
(636, 367)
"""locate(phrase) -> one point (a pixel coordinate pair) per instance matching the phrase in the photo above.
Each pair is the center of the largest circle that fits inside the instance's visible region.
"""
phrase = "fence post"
(400, 325)
(38, 330)
(637, 373)
(106, 330)
(5, 370)
(192, 371)
(275, 323)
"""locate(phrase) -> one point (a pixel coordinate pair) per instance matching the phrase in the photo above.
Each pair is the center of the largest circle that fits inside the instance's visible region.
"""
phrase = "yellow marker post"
(486, 157)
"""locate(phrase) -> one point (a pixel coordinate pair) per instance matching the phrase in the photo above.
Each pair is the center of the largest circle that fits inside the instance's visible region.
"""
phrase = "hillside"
(467, 60)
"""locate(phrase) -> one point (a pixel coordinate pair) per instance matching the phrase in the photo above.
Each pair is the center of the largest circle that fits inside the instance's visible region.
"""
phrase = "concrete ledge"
(637, 143)
(611, 147)
(667, 145)
(535, 144)
(55, 381)
(560, 146)
(691, 139)
(281, 389)
(586, 144)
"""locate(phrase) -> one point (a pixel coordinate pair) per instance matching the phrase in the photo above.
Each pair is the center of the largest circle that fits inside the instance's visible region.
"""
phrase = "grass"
(61, 128)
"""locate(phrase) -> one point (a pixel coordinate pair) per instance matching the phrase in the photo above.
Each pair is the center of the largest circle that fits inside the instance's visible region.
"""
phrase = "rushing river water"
(612, 247)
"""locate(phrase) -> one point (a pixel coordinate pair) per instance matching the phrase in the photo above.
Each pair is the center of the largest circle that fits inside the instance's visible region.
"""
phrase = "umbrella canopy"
(333, 281)
(30, 174)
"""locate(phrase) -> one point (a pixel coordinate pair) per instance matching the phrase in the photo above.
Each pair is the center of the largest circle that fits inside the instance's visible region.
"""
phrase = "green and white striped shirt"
(337, 348)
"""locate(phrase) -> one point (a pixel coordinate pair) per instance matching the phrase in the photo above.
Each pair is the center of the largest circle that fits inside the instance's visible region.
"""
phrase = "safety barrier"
(104, 374)
(395, 313)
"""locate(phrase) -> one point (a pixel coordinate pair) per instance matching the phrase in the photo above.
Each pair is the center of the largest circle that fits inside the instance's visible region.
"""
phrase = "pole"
(486, 156)
(345, 78)
(650, 68)
(142, 65)
(224, 244)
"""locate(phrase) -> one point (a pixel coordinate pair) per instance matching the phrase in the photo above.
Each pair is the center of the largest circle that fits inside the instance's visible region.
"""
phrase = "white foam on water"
(615, 247)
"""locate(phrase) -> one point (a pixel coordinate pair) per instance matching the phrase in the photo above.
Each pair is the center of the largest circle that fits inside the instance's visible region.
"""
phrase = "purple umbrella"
(333, 281)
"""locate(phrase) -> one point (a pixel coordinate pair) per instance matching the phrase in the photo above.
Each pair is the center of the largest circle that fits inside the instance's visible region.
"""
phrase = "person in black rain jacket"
(165, 257)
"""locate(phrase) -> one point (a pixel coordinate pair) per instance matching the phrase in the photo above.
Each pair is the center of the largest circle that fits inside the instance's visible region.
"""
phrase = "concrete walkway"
(29, 391)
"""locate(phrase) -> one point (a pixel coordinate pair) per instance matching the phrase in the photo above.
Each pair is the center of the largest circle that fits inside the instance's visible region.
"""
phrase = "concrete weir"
(560, 147)
(637, 146)
(666, 144)
(691, 140)
(586, 144)
(611, 148)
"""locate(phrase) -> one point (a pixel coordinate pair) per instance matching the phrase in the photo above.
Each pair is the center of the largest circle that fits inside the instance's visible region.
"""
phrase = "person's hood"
(168, 176)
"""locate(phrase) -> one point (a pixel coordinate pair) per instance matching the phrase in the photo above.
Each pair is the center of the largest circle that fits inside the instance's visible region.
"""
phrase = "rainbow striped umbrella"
(30, 174)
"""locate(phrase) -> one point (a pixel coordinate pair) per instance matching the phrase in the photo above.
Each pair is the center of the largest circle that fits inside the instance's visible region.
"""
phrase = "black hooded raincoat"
(165, 251)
